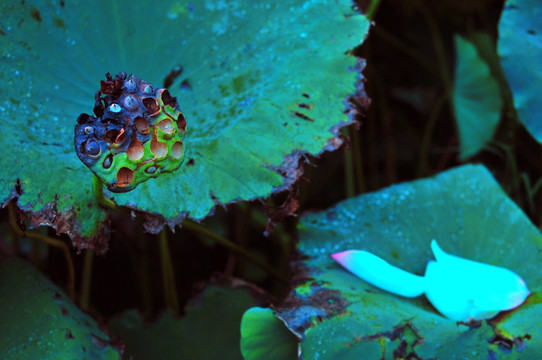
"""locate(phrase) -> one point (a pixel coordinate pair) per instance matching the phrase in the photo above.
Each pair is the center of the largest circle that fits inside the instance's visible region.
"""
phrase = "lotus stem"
(168, 275)
(198, 229)
(86, 282)
(98, 190)
(70, 287)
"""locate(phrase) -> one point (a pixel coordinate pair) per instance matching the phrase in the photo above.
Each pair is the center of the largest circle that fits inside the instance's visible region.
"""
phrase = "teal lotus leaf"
(209, 330)
(40, 322)
(476, 98)
(339, 316)
(520, 50)
(264, 336)
(261, 84)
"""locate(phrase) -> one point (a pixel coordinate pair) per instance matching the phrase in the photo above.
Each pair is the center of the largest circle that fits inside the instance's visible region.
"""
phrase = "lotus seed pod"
(136, 134)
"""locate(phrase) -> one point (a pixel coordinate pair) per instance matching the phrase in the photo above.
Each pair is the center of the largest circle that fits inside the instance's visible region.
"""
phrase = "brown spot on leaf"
(506, 345)
(171, 76)
(59, 22)
(190, 162)
(321, 303)
(302, 116)
(69, 334)
(35, 14)
(185, 85)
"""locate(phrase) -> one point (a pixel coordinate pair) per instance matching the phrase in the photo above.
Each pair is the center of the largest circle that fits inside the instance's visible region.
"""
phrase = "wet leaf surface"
(340, 316)
(520, 49)
(256, 343)
(261, 84)
(476, 97)
(40, 322)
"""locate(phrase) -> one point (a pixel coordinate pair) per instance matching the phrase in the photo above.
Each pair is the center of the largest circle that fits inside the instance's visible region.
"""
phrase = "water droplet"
(115, 108)
(147, 89)
(150, 170)
(88, 130)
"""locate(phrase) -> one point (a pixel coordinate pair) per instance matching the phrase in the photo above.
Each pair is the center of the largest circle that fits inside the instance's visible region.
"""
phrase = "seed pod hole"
(88, 130)
(111, 135)
(141, 125)
(166, 126)
(151, 105)
(125, 177)
(135, 150)
(120, 137)
(158, 149)
(108, 161)
(91, 147)
(181, 122)
(167, 99)
(177, 150)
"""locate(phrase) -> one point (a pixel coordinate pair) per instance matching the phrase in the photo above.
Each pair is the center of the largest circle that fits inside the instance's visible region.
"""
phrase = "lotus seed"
(91, 148)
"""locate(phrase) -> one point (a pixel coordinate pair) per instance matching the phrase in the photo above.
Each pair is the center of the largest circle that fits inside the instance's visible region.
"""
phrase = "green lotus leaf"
(40, 322)
(259, 83)
(264, 337)
(339, 316)
(520, 49)
(209, 330)
(476, 98)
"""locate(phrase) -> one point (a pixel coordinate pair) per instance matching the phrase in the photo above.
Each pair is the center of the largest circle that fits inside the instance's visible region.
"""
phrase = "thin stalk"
(49, 241)
(349, 181)
(98, 190)
(357, 160)
(141, 268)
(371, 10)
(423, 159)
(439, 47)
(86, 280)
(399, 44)
(168, 275)
(200, 230)
(35, 253)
